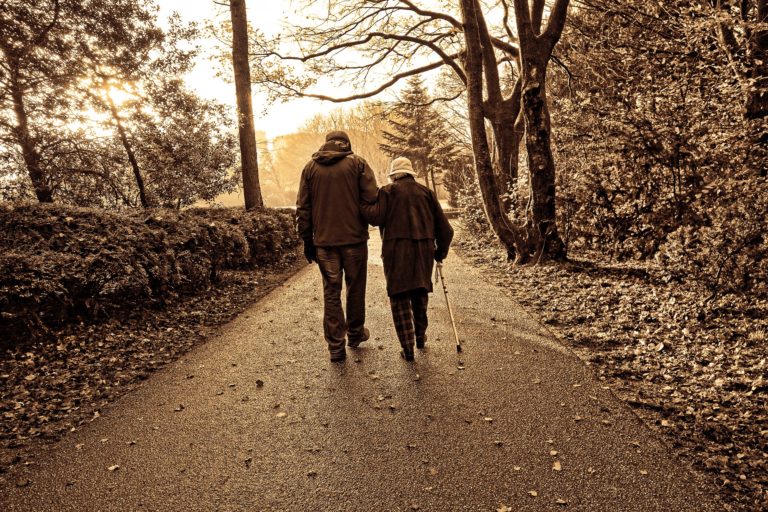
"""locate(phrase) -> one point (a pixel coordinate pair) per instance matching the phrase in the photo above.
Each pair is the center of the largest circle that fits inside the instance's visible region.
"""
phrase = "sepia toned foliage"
(661, 158)
(93, 108)
(62, 264)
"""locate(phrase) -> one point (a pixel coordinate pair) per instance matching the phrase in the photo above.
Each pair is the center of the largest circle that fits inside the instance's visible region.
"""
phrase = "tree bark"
(541, 165)
(27, 143)
(129, 151)
(246, 129)
(497, 217)
(508, 135)
(535, 52)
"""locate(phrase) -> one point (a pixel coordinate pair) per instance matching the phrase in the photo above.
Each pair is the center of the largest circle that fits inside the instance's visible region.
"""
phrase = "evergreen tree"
(417, 130)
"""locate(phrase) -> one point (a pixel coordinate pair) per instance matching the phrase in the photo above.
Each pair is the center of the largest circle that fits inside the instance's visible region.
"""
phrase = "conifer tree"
(418, 131)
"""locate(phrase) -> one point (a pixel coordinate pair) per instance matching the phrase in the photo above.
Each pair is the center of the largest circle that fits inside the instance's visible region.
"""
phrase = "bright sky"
(267, 16)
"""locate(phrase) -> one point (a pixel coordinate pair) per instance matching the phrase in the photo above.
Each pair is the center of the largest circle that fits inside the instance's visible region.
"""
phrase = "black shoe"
(338, 357)
(356, 343)
(421, 341)
(407, 354)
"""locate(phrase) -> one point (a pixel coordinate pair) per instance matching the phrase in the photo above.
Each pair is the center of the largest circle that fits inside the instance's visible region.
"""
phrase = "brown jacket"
(333, 184)
(414, 230)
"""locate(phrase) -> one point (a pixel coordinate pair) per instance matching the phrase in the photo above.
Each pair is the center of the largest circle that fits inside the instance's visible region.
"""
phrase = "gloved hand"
(310, 252)
(440, 256)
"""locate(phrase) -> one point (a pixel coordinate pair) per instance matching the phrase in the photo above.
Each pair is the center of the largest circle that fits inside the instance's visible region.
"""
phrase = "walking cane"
(439, 272)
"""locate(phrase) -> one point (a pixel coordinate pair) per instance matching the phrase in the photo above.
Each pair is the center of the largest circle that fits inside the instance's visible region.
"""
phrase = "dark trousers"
(409, 311)
(347, 264)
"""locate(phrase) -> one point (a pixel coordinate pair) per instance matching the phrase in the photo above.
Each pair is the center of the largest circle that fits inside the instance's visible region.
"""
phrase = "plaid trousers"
(409, 311)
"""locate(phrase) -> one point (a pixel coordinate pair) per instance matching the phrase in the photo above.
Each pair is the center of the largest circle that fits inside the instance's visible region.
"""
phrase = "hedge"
(61, 264)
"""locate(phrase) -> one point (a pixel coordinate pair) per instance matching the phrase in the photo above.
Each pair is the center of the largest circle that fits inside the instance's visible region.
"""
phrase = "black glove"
(310, 252)
(440, 256)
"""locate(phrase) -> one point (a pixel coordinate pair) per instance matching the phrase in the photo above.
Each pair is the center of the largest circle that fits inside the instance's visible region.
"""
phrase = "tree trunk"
(247, 131)
(434, 183)
(28, 144)
(535, 51)
(129, 151)
(542, 225)
(485, 176)
(507, 137)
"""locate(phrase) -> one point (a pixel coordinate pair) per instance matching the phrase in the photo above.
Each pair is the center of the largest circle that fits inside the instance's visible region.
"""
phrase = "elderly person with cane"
(415, 233)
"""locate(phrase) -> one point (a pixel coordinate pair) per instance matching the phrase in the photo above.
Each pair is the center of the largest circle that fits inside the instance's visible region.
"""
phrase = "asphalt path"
(259, 419)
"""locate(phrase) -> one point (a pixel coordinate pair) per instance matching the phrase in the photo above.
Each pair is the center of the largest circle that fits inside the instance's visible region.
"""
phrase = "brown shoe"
(338, 357)
(420, 342)
(356, 342)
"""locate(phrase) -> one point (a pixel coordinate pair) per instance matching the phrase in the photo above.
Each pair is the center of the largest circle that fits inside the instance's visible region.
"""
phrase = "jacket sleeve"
(376, 213)
(368, 188)
(304, 206)
(443, 231)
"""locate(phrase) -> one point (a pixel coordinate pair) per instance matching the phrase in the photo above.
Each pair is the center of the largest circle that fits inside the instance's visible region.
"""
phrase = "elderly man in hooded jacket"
(335, 235)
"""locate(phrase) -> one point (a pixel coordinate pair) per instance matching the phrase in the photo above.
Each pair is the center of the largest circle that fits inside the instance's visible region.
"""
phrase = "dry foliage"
(700, 383)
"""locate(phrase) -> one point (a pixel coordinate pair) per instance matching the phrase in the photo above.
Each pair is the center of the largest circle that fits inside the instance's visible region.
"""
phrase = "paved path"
(478, 431)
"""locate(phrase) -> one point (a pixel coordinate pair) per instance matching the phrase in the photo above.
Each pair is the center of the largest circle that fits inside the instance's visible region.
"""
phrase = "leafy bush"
(61, 264)
(730, 253)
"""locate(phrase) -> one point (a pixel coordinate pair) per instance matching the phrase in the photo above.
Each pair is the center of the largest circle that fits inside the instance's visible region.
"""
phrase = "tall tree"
(32, 47)
(417, 131)
(536, 46)
(47, 49)
(247, 131)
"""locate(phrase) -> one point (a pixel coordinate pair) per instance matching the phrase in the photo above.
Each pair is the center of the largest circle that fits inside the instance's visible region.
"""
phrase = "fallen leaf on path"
(113, 468)
(179, 408)
(516, 468)
(281, 414)
(553, 452)
(488, 419)
(560, 501)
(533, 493)
(557, 466)
(503, 508)
(643, 472)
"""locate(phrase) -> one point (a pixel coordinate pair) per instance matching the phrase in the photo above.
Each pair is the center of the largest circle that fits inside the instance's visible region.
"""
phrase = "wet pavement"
(259, 419)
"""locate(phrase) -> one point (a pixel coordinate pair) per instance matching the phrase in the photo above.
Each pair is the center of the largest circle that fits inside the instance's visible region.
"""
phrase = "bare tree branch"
(389, 83)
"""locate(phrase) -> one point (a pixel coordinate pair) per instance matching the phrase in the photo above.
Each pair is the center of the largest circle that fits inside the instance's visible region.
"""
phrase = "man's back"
(332, 186)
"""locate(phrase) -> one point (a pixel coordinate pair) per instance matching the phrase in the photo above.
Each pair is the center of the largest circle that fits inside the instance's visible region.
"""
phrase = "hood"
(331, 152)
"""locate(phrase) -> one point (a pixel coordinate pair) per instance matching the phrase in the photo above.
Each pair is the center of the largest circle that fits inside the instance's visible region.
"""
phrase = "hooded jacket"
(333, 184)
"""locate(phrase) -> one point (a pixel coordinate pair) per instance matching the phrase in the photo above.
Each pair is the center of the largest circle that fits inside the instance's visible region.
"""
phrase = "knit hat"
(337, 135)
(401, 165)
